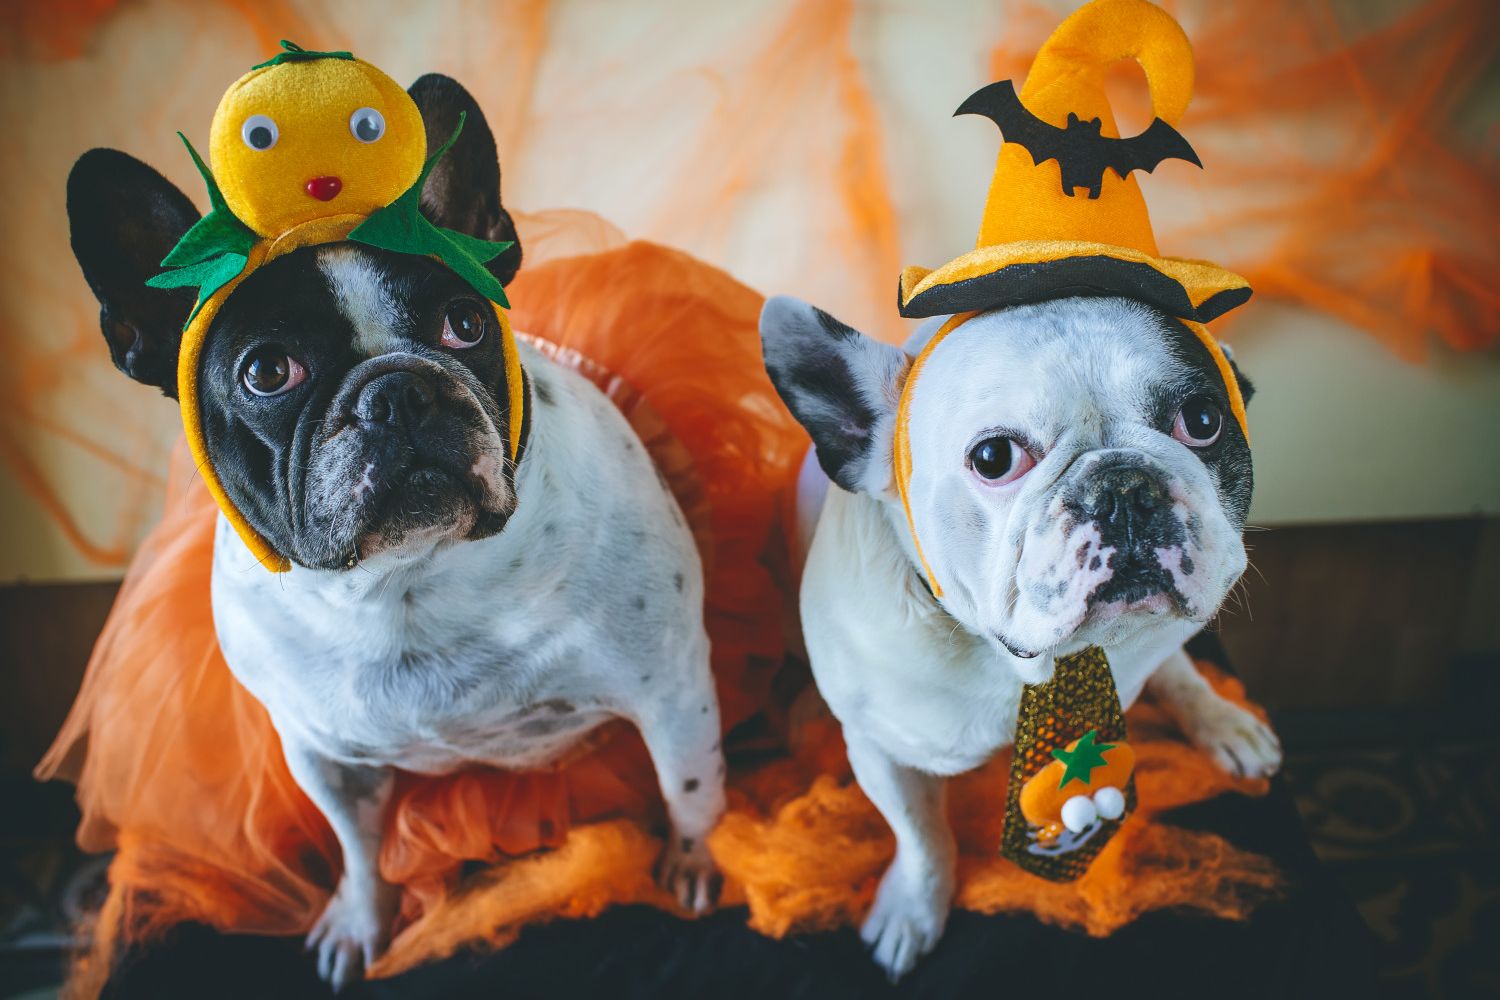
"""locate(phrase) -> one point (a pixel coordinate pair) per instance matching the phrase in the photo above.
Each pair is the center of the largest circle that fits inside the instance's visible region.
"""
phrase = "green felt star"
(401, 227)
(1082, 759)
(213, 251)
(292, 52)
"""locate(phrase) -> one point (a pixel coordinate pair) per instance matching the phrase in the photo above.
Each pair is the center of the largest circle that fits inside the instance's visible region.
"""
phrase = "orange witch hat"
(1064, 217)
(1043, 236)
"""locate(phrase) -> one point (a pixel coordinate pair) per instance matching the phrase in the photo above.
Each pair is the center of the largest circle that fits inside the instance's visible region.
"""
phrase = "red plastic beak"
(325, 188)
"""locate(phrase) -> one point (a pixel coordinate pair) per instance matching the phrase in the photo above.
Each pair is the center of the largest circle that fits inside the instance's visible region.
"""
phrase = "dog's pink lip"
(325, 188)
(1014, 650)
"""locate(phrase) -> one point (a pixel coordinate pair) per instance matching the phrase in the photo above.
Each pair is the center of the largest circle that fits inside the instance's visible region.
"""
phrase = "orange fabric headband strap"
(902, 436)
(189, 363)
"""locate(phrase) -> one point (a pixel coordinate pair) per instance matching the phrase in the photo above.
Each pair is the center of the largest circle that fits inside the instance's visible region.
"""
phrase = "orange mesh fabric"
(1350, 168)
(809, 848)
(178, 767)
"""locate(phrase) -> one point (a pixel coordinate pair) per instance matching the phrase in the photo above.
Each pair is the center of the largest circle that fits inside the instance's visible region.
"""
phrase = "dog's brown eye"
(1000, 460)
(270, 371)
(463, 326)
(1199, 422)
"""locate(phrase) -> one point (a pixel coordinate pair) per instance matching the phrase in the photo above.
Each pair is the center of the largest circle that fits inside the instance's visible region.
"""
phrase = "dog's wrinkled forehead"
(363, 301)
(1079, 364)
(368, 296)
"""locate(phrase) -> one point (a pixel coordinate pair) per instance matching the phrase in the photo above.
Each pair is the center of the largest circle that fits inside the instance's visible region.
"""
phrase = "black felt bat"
(1079, 149)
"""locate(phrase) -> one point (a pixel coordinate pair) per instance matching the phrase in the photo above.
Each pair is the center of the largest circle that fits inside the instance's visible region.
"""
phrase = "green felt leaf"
(213, 251)
(215, 196)
(470, 268)
(1080, 762)
(481, 250)
(292, 52)
(391, 229)
(401, 227)
(217, 232)
(208, 275)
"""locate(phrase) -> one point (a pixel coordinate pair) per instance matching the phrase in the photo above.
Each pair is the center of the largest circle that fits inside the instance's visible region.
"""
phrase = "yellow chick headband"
(1064, 216)
(313, 148)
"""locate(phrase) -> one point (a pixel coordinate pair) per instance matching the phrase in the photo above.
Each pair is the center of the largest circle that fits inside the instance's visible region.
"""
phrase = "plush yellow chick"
(312, 135)
(311, 148)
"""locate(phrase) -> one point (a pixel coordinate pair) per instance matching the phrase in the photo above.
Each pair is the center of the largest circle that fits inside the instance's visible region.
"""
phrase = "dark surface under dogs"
(1311, 943)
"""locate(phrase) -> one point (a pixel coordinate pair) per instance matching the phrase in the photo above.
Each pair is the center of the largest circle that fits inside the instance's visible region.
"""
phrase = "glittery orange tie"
(1072, 777)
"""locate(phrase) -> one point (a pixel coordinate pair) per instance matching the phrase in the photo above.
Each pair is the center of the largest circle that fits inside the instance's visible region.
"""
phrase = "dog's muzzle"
(1130, 506)
(400, 401)
(1128, 503)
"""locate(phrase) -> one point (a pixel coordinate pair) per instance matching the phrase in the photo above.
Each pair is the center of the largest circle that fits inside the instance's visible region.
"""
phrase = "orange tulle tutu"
(179, 770)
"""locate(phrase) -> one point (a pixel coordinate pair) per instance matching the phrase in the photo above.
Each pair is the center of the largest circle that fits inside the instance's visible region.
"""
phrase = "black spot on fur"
(543, 727)
(543, 392)
(690, 785)
(687, 843)
(360, 783)
(678, 581)
(515, 563)
(640, 603)
(1228, 458)
(823, 394)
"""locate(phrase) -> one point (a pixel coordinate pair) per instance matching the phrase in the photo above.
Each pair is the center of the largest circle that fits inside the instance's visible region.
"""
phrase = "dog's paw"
(907, 919)
(688, 872)
(351, 934)
(1235, 738)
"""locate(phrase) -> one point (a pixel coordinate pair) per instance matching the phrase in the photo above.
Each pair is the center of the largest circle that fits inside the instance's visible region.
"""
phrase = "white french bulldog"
(1081, 483)
(446, 606)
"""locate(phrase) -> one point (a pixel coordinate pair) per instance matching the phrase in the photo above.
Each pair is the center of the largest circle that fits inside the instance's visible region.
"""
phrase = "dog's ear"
(124, 217)
(841, 386)
(1247, 387)
(463, 190)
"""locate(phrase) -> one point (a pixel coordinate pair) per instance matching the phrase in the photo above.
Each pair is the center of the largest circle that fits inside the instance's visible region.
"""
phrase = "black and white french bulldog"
(447, 606)
(1083, 483)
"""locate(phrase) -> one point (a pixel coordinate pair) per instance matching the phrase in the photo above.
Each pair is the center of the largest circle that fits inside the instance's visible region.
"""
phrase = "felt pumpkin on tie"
(1065, 217)
(311, 148)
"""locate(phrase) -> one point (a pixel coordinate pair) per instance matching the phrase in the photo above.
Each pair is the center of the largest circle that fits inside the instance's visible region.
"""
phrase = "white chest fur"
(896, 669)
(506, 650)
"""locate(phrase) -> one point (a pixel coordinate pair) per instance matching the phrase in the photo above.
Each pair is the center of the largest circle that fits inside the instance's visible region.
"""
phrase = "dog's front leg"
(353, 929)
(1236, 739)
(682, 736)
(911, 905)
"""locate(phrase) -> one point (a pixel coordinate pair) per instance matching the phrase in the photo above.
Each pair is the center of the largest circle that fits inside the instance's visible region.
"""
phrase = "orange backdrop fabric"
(1344, 171)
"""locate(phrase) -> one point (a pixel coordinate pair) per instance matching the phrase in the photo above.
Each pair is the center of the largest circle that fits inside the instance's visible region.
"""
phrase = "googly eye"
(259, 132)
(367, 124)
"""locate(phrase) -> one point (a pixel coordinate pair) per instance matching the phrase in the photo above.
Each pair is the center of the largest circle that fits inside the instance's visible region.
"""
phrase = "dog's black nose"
(396, 398)
(1124, 501)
